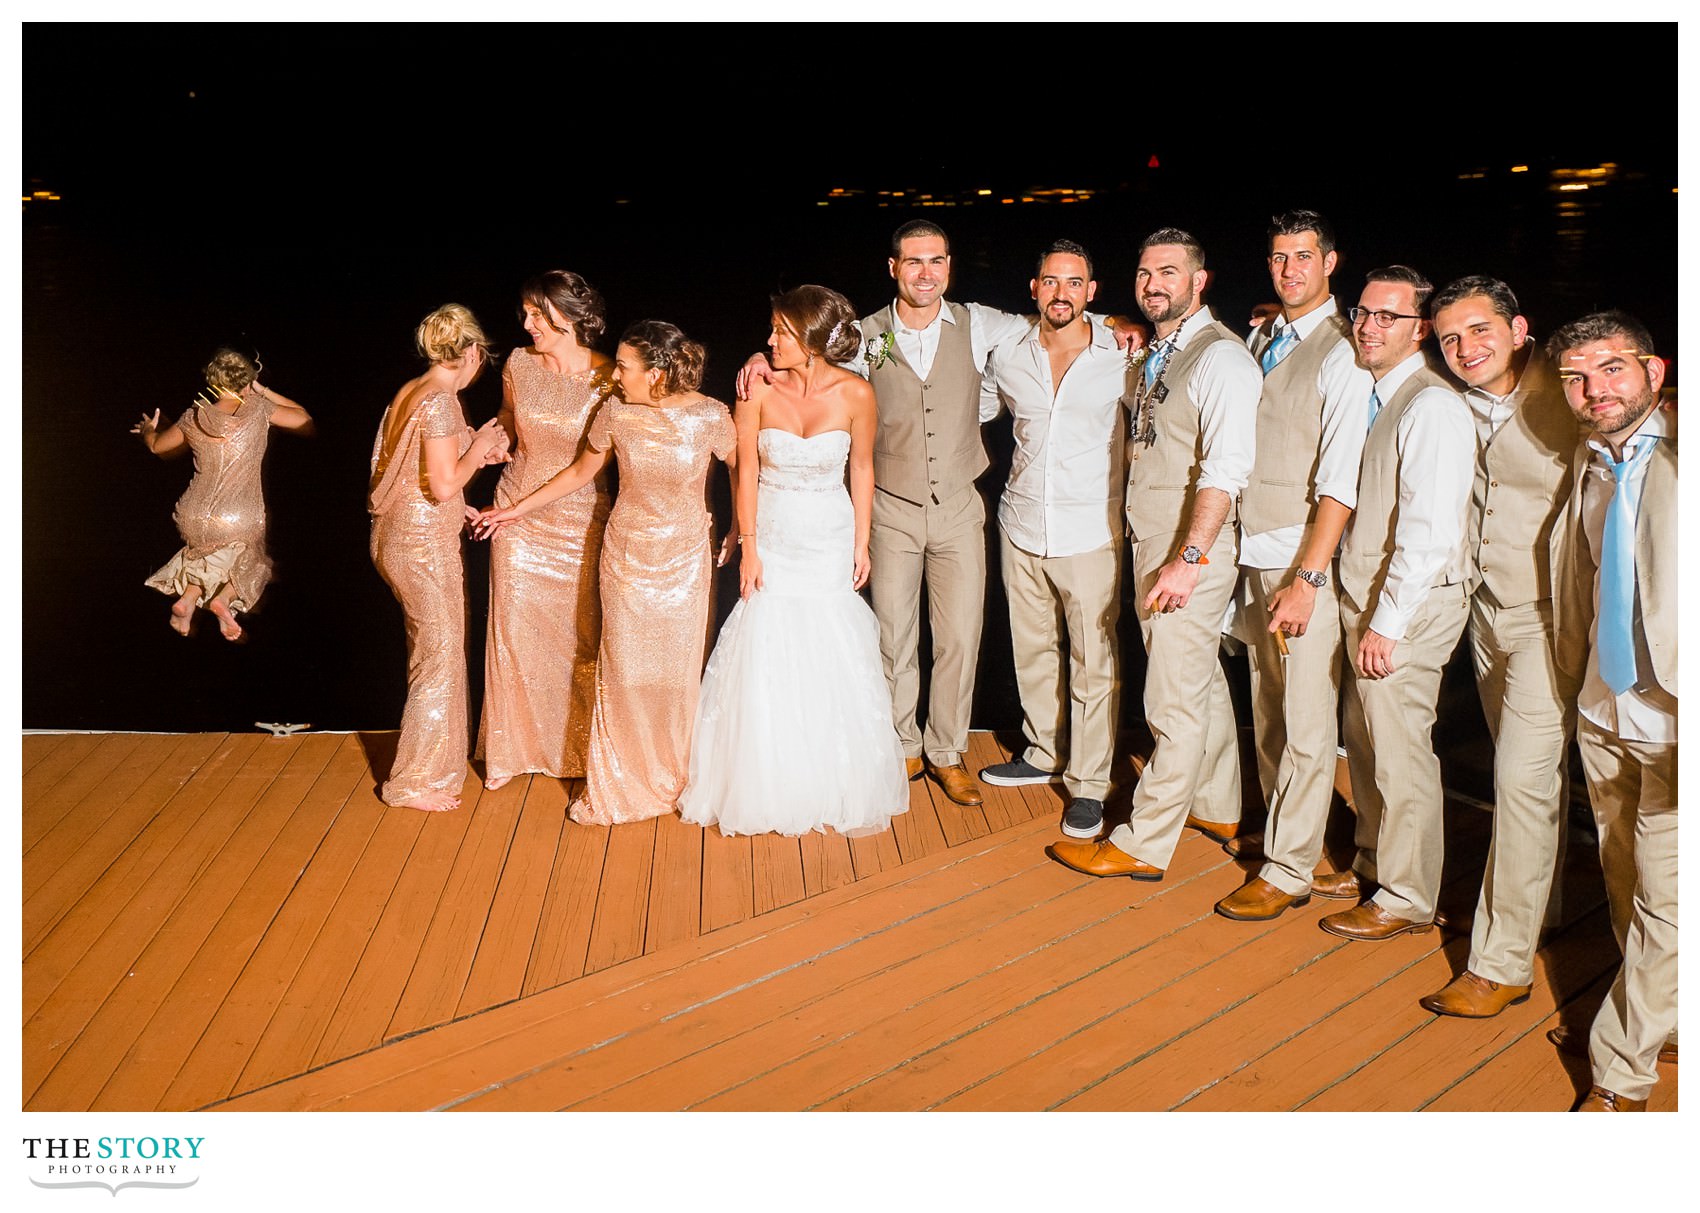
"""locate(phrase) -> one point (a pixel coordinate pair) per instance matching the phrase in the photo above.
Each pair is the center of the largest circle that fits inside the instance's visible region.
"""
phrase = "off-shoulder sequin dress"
(222, 514)
(545, 612)
(656, 563)
(416, 548)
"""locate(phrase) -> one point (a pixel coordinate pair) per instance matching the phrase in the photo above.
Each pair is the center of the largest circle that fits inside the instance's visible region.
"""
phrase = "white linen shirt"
(1436, 440)
(1344, 387)
(1646, 711)
(1225, 386)
(1065, 483)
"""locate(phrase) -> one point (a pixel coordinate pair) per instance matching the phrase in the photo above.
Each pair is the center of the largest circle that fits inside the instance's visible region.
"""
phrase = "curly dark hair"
(579, 303)
(822, 320)
(664, 347)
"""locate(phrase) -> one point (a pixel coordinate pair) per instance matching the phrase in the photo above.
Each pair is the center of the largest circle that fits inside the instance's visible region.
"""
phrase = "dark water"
(321, 230)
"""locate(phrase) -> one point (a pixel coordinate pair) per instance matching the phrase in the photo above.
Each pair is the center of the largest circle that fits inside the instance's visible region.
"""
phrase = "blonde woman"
(223, 566)
(424, 455)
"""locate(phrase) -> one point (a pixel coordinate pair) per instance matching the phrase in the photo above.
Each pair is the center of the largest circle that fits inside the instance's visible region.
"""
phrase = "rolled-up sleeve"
(1225, 386)
(1345, 388)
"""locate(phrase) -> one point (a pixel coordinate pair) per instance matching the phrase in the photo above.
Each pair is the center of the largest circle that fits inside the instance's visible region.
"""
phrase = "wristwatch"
(1316, 579)
(1193, 554)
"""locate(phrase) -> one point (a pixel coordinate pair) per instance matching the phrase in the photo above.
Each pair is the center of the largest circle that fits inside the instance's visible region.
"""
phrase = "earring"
(808, 360)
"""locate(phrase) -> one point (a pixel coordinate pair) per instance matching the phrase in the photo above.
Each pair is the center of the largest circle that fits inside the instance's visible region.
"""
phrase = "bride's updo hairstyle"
(579, 303)
(447, 333)
(822, 320)
(229, 371)
(663, 347)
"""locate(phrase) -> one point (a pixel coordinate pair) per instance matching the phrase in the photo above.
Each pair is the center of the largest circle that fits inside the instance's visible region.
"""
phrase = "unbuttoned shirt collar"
(1307, 323)
(944, 314)
(1190, 328)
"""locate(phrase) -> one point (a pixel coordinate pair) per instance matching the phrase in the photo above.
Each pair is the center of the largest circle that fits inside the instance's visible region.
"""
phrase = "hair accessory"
(837, 332)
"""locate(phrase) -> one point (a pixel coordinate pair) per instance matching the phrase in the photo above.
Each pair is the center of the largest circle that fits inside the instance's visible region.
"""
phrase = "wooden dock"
(234, 921)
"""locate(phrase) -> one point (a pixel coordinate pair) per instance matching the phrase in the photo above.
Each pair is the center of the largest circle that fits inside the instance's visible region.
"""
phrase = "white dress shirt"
(1225, 386)
(1646, 711)
(1436, 440)
(1065, 478)
(1344, 387)
(987, 326)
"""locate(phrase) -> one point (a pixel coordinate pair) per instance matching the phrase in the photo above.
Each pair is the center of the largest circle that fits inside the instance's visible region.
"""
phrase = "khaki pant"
(944, 547)
(1069, 604)
(1296, 717)
(1389, 727)
(1632, 785)
(1529, 715)
(1196, 766)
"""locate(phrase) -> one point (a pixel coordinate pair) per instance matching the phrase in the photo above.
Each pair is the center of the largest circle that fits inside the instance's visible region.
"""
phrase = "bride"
(793, 729)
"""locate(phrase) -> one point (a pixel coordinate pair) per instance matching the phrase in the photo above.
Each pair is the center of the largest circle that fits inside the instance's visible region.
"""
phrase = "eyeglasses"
(1383, 319)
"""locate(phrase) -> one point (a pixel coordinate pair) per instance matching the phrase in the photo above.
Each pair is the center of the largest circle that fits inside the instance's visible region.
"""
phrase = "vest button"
(926, 387)
(1486, 541)
(1490, 511)
(929, 433)
(932, 459)
(1493, 484)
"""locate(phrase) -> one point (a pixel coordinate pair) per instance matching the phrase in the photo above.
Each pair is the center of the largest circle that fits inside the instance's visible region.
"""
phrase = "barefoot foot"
(500, 781)
(434, 802)
(183, 611)
(227, 625)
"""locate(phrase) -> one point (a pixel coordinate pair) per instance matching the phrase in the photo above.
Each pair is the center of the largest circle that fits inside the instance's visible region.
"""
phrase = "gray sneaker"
(1083, 818)
(1017, 774)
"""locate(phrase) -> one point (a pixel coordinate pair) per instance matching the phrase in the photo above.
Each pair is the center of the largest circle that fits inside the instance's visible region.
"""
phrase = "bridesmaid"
(424, 456)
(545, 616)
(654, 573)
(223, 566)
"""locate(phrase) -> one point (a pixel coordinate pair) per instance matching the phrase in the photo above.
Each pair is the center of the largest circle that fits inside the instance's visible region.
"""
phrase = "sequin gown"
(416, 548)
(545, 613)
(793, 730)
(222, 515)
(654, 575)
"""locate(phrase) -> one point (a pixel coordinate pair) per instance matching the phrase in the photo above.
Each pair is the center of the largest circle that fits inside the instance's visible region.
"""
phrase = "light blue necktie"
(1617, 575)
(1374, 407)
(1154, 362)
(1277, 349)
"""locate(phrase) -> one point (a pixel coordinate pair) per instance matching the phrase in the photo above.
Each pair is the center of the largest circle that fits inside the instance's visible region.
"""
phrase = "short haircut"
(914, 228)
(1421, 287)
(1175, 235)
(1292, 223)
(1498, 295)
(1600, 326)
(1069, 248)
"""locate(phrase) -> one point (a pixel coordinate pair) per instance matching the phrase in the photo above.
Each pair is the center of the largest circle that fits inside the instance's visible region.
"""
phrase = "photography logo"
(113, 1163)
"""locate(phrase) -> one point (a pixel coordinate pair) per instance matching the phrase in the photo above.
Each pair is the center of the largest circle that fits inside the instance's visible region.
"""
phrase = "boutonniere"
(1136, 358)
(878, 349)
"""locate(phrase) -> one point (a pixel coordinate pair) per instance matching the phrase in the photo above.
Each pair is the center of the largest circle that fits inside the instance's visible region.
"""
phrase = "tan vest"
(1162, 479)
(1522, 484)
(927, 444)
(1368, 548)
(1282, 489)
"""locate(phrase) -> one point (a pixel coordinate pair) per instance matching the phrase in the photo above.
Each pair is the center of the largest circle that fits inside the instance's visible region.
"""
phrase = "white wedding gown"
(793, 728)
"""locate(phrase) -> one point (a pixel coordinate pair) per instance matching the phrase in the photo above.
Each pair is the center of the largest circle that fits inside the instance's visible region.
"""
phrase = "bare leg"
(434, 802)
(220, 606)
(183, 610)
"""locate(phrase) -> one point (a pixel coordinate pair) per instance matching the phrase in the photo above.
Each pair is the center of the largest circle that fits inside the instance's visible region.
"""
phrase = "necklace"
(1146, 398)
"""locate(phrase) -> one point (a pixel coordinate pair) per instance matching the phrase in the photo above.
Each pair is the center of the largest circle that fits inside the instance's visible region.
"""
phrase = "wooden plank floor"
(235, 921)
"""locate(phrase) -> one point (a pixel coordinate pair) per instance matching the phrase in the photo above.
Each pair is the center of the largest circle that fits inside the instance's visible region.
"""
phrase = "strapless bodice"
(814, 464)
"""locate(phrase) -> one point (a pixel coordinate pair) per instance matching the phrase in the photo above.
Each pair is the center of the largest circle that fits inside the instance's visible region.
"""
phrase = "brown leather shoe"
(914, 768)
(1369, 923)
(1246, 846)
(1101, 859)
(1216, 831)
(1598, 1099)
(957, 783)
(1470, 997)
(1340, 886)
(1574, 1043)
(1258, 900)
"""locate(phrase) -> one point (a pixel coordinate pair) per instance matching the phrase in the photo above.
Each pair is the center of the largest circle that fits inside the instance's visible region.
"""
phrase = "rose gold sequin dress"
(545, 613)
(416, 548)
(222, 515)
(656, 562)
